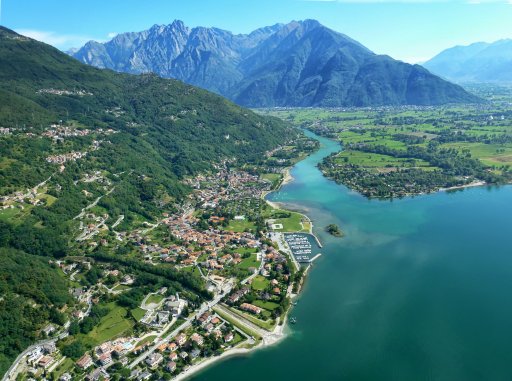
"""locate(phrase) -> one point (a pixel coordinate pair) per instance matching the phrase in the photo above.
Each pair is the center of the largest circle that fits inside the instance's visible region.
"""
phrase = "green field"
(274, 178)
(121, 287)
(148, 339)
(155, 298)
(249, 262)
(240, 226)
(138, 313)
(114, 324)
(378, 161)
(290, 224)
(260, 283)
(270, 306)
(490, 154)
(8, 215)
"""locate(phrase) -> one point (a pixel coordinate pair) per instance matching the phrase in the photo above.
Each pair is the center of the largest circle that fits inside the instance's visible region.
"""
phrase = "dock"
(301, 246)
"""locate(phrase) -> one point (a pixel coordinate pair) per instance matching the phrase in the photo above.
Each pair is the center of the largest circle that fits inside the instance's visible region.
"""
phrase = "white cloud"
(61, 41)
(113, 34)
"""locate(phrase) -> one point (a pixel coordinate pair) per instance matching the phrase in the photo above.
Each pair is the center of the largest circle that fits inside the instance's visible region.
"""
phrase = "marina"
(301, 246)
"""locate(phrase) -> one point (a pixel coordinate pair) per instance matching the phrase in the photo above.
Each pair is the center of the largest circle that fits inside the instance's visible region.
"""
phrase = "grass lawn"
(155, 298)
(249, 262)
(66, 366)
(260, 283)
(50, 200)
(121, 287)
(148, 339)
(239, 226)
(274, 178)
(114, 324)
(375, 160)
(271, 306)
(8, 214)
(138, 313)
(490, 154)
(190, 269)
(290, 224)
(237, 339)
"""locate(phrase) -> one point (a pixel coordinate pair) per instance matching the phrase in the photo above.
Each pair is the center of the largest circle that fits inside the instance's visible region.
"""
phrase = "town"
(125, 325)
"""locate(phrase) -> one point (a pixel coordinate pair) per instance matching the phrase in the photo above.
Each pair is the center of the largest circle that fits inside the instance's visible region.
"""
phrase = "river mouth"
(418, 289)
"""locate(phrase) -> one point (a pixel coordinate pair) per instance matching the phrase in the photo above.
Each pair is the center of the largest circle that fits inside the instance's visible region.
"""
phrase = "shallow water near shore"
(419, 288)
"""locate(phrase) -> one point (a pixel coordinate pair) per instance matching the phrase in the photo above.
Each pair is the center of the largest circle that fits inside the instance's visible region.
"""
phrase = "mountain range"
(302, 63)
(478, 62)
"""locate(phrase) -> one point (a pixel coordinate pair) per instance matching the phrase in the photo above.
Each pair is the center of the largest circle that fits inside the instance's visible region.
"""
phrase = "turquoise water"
(419, 289)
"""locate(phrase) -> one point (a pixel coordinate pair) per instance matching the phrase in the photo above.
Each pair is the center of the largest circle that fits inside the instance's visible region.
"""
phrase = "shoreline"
(470, 185)
(273, 337)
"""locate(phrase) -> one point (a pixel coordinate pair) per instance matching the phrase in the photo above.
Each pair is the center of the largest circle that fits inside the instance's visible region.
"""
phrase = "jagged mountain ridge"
(302, 63)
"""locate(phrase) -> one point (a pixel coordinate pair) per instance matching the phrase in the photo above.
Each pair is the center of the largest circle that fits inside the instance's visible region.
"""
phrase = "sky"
(409, 30)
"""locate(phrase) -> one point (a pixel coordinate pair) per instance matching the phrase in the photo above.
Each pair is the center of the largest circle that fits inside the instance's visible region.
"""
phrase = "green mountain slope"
(139, 136)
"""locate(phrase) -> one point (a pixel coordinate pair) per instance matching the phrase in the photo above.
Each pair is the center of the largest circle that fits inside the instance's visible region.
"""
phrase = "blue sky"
(410, 30)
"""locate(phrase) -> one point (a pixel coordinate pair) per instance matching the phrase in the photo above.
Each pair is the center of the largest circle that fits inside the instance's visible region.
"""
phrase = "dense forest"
(32, 292)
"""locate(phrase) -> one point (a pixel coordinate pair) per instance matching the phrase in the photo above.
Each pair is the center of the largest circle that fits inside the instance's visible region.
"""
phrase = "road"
(204, 307)
(243, 322)
(93, 204)
(11, 374)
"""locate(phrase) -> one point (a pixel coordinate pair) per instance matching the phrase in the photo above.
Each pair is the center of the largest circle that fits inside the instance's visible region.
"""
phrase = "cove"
(419, 288)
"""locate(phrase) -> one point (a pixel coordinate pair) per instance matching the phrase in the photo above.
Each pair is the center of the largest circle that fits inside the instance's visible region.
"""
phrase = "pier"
(301, 246)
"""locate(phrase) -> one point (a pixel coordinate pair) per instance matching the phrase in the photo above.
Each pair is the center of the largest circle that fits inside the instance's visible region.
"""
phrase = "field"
(155, 298)
(66, 366)
(378, 162)
(293, 223)
(114, 324)
(274, 178)
(138, 313)
(270, 306)
(399, 151)
(121, 287)
(260, 283)
(10, 214)
(240, 226)
(148, 339)
(490, 154)
(249, 262)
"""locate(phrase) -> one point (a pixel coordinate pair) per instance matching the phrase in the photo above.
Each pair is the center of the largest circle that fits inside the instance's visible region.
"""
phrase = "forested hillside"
(77, 142)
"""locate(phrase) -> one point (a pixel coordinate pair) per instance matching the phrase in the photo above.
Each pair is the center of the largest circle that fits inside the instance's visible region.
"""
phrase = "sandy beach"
(470, 185)
(288, 178)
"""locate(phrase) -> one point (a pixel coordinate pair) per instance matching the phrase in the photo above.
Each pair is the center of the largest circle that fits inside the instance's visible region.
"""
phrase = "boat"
(293, 320)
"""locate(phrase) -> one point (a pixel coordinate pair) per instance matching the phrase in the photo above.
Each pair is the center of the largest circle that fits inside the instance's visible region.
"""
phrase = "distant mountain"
(298, 64)
(478, 62)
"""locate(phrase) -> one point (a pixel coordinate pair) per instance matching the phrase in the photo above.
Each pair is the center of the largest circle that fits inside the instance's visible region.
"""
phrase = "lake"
(418, 289)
